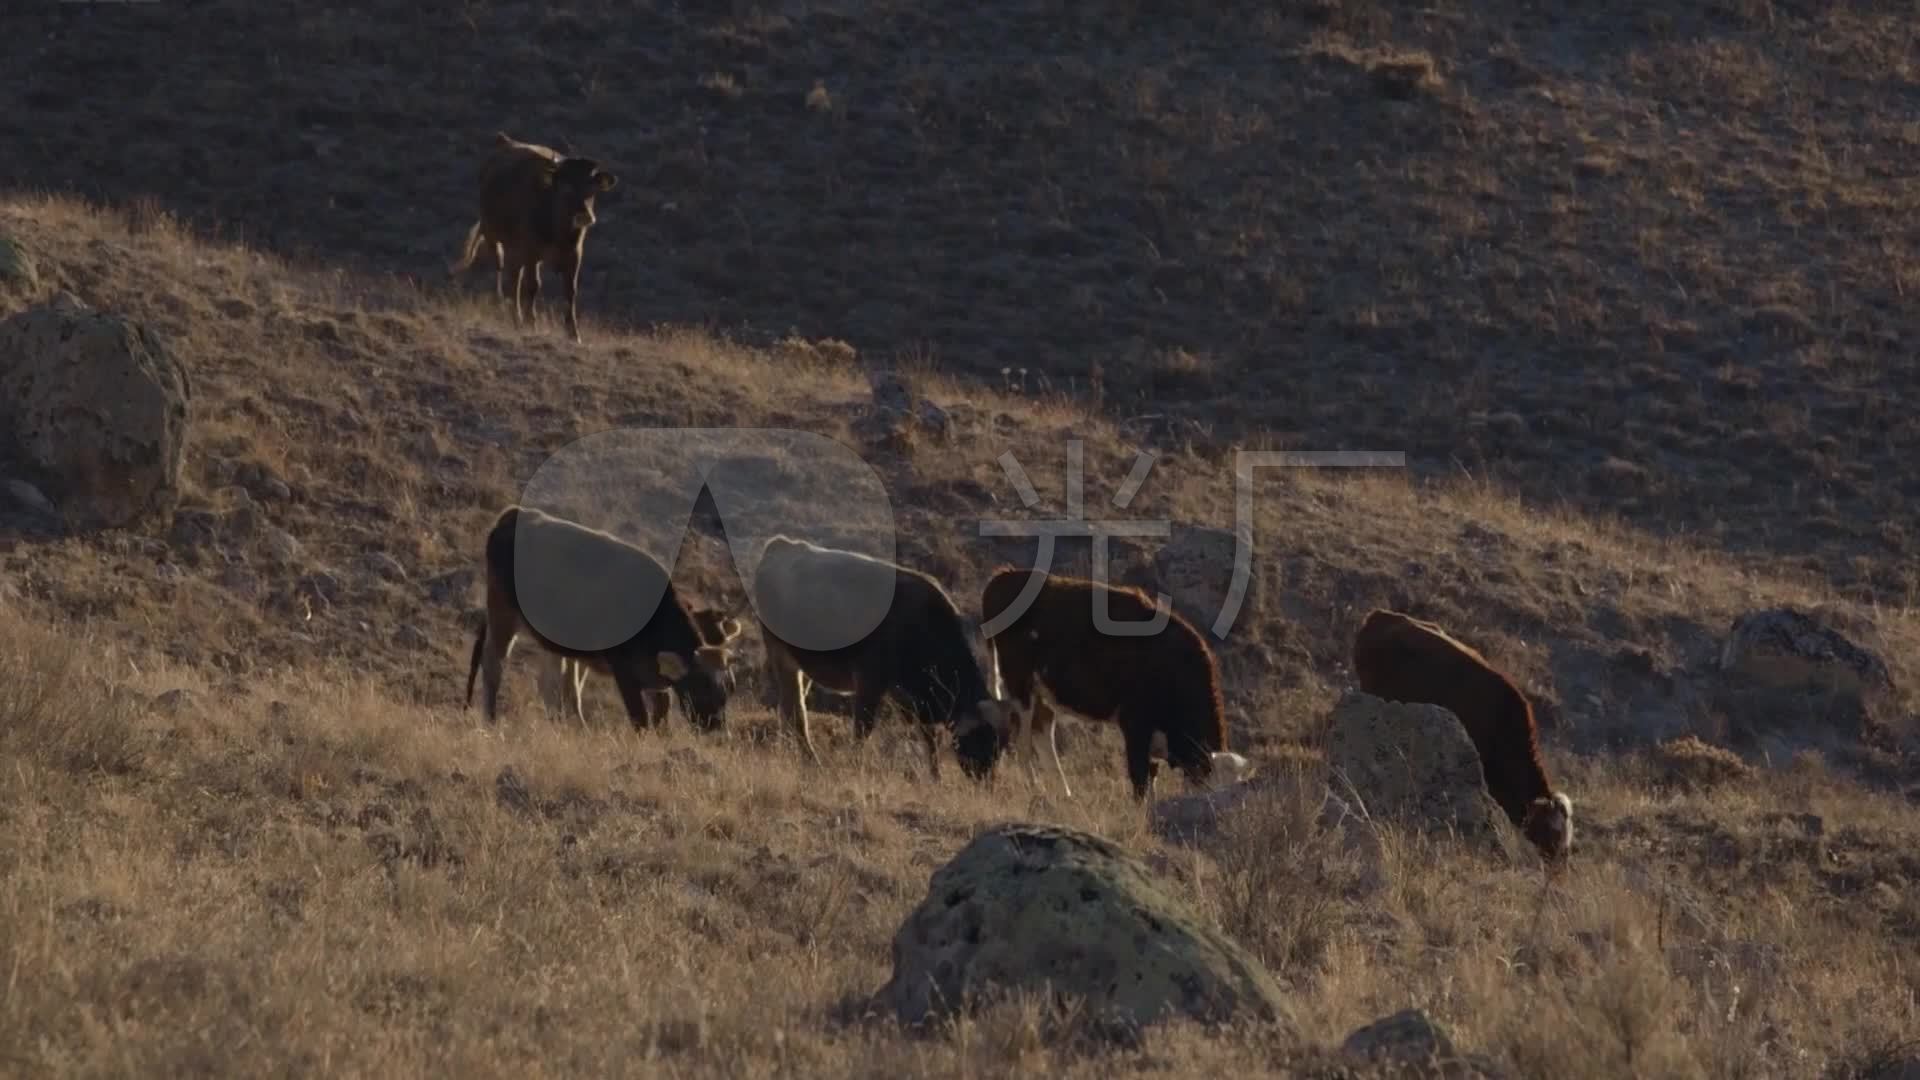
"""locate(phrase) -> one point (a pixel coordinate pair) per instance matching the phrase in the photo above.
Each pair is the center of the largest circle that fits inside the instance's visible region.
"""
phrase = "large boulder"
(1195, 567)
(1788, 679)
(99, 407)
(1785, 647)
(1411, 1044)
(1026, 908)
(1413, 764)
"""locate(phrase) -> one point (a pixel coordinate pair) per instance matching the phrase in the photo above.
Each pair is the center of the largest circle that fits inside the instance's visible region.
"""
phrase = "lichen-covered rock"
(1788, 680)
(1026, 908)
(1417, 1047)
(99, 405)
(1195, 567)
(1414, 764)
(1784, 647)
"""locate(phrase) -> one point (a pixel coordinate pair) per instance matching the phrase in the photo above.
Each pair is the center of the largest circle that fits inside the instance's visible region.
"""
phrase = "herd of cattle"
(1049, 656)
(536, 206)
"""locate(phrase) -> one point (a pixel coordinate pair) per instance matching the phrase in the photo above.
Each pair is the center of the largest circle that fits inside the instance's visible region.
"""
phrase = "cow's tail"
(467, 255)
(473, 664)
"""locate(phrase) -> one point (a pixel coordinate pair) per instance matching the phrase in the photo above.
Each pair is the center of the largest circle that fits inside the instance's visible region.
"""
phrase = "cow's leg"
(866, 707)
(929, 735)
(578, 687)
(1139, 740)
(533, 291)
(790, 690)
(1042, 721)
(659, 705)
(569, 270)
(503, 624)
(554, 677)
(520, 267)
(633, 687)
(499, 270)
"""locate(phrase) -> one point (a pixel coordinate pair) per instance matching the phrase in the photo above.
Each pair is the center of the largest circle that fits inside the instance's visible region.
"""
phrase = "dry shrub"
(56, 712)
(1689, 764)
(1283, 879)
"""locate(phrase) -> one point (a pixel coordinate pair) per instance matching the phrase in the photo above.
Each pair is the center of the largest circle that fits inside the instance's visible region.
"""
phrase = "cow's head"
(980, 733)
(706, 679)
(571, 186)
(1549, 827)
(1226, 769)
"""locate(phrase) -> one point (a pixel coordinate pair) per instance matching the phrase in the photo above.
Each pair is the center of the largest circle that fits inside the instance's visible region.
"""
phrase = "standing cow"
(919, 652)
(585, 583)
(535, 208)
(563, 680)
(1400, 658)
(1054, 656)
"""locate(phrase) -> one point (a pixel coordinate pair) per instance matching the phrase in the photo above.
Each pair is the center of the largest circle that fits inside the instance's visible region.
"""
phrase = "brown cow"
(1053, 655)
(535, 208)
(563, 680)
(1400, 658)
(916, 649)
(591, 586)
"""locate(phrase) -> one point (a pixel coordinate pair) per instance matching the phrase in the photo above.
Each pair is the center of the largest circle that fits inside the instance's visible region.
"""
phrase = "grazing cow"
(1400, 658)
(597, 583)
(1054, 657)
(920, 652)
(535, 208)
(563, 680)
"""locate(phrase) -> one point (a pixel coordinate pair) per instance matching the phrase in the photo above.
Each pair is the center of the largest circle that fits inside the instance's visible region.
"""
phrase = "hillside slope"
(1654, 264)
(247, 830)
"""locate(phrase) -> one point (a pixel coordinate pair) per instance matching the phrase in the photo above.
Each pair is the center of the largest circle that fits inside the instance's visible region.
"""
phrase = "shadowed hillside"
(1633, 290)
(1656, 264)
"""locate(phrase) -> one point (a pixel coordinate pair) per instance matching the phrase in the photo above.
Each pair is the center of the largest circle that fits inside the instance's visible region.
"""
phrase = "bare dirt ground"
(1632, 290)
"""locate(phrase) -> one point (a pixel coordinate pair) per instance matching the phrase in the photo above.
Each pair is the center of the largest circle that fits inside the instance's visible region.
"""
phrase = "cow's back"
(582, 588)
(1405, 659)
(509, 183)
(1399, 658)
(823, 599)
(1094, 672)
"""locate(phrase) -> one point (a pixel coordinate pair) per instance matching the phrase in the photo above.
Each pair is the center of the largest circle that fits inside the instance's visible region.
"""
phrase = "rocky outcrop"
(1784, 647)
(1413, 1045)
(1787, 679)
(99, 407)
(1413, 764)
(1030, 908)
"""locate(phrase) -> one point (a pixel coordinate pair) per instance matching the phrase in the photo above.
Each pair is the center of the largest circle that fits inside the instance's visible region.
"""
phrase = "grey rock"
(1026, 908)
(100, 403)
(1415, 765)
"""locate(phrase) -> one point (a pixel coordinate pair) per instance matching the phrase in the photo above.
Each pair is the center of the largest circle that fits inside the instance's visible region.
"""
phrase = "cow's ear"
(672, 667)
(605, 180)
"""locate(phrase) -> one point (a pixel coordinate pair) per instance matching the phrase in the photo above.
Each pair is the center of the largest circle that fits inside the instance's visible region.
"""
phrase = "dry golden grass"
(312, 861)
(1633, 289)
(309, 877)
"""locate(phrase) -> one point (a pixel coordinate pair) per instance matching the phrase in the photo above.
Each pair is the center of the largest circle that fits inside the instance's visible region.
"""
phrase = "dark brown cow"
(563, 680)
(919, 652)
(535, 208)
(1400, 658)
(1054, 656)
(597, 581)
